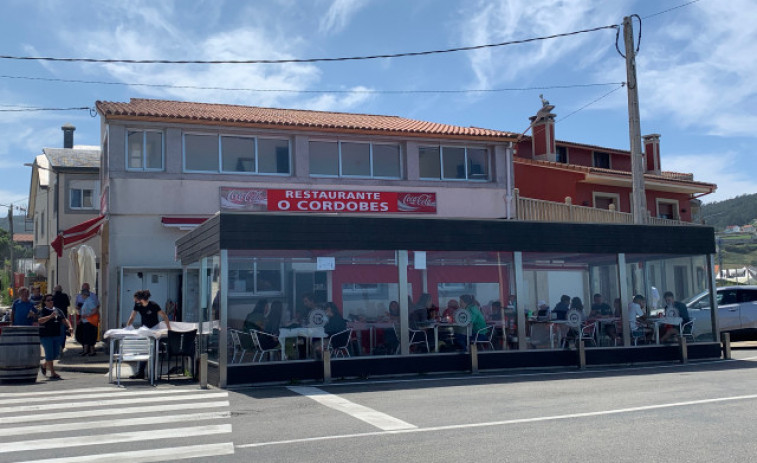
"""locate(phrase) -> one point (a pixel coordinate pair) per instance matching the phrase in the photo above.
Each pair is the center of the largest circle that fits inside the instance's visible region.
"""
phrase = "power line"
(18, 110)
(592, 102)
(309, 60)
(260, 90)
(670, 9)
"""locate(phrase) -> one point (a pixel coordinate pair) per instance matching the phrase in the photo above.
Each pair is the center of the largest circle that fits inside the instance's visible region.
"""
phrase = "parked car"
(737, 312)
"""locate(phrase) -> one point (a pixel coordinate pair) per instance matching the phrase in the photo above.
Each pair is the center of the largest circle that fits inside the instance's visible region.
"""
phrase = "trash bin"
(19, 354)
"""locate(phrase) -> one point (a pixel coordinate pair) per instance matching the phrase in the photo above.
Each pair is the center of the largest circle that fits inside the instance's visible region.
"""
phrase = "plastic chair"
(135, 349)
(180, 344)
(339, 343)
(488, 333)
(264, 343)
(687, 329)
(589, 333)
(416, 337)
(236, 344)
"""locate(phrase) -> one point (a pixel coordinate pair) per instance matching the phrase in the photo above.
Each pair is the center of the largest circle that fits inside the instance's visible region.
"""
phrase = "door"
(748, 308)
(729, 316)
(135, 280)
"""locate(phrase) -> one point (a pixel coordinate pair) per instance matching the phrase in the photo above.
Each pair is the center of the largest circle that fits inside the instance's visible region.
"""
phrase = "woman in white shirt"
(636, 311)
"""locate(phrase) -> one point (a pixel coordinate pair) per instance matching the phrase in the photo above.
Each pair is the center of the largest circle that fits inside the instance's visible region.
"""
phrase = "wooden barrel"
(19, 354)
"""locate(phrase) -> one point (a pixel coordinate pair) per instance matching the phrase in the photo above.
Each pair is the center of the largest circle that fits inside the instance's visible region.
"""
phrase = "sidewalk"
(71, 359)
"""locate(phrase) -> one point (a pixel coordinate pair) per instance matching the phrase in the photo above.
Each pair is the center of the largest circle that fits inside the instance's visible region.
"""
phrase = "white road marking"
(102, 424)
(68, 397)
(136, 409)
(148, 456)
(56, 392)
(108, 403)
(100, 439)
(504, 422)
(369, 415)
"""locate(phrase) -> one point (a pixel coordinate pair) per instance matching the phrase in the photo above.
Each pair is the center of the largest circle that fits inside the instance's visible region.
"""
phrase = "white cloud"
(700, 71)
(725, 169)
(340, 101)
(339, 14)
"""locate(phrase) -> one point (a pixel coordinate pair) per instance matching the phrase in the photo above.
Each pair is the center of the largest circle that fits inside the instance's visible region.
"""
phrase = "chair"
(180, 344)
(416, 337)
(264, 343)
(589, 333)
(687, 329)
(339, 343)
(135, 349)
(488, 335)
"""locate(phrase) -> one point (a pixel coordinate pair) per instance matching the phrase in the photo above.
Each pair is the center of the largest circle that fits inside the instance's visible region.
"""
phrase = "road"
(670, 412)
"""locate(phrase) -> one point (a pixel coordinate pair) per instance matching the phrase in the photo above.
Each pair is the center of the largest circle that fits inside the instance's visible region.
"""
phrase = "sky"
(695, 69)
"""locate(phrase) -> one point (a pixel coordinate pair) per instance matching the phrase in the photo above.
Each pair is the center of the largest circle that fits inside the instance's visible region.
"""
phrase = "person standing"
(36, 297)
(61, 301)
(80, 298)
(23, 312)
(52, 322)
(86, 330)
(150, 314)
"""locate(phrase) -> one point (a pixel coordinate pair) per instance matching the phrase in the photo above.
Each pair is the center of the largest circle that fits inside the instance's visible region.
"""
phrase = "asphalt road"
(669, 412)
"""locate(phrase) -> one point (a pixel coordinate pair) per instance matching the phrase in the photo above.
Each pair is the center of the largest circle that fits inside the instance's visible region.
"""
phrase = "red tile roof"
(23, 237)
(206, 113)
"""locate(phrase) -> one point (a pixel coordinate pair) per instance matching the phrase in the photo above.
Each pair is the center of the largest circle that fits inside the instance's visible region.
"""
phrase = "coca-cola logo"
(247, 196)
(416, 201)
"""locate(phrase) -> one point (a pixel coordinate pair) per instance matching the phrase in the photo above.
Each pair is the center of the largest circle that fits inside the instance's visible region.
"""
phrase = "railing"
(539, 210)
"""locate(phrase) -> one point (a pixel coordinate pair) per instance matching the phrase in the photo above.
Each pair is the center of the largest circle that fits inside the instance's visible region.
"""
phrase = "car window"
(747, 295)
(727, 296)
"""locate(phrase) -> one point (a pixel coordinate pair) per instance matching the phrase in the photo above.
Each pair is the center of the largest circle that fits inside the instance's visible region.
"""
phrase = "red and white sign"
(302, 200)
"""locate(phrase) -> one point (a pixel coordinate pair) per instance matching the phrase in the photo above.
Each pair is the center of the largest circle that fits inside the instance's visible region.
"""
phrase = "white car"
(737, 312)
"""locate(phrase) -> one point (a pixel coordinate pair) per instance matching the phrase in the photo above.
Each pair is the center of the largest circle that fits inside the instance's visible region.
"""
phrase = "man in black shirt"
(61, 301)
(149, 313)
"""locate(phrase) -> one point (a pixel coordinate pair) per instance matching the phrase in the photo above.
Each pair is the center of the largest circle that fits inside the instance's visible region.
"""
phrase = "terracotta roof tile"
(138, 108)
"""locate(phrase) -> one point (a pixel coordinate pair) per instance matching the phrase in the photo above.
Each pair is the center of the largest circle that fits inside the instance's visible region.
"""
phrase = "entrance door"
(135, 280)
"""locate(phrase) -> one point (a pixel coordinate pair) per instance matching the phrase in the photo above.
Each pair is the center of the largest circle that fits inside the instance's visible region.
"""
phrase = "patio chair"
(265, 344)
(488, 335)
(589, 333)
(339, 343)
(180, 344)
(236, 344)
(687, 330)
(417, 337)
(135, 349)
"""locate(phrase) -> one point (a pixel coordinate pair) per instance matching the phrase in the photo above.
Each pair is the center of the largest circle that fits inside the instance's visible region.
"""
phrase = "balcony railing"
(539, 210)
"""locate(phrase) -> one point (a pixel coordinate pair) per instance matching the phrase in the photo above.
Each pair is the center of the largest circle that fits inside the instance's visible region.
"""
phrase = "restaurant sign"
(304, 200)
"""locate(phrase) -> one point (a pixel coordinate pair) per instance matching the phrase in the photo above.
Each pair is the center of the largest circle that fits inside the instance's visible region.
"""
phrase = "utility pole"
(10, 241)
(634, 129)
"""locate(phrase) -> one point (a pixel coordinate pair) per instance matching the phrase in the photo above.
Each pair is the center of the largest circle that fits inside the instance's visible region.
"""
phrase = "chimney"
(543, 133)
(652, 153)
(68, 135)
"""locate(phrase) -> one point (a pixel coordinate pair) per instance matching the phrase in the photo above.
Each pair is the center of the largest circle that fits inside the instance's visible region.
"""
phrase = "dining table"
(358, 327)
(308, 332)
(659, 321)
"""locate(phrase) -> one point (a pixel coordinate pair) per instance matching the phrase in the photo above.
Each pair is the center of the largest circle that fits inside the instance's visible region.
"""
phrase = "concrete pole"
(634, 127)
(10, 231)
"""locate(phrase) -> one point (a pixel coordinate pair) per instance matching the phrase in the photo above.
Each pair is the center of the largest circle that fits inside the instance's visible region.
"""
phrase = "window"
(353, 159)
(235, 154)
(604, 200)
(601, 160)
(144, 150)
(81, 198)
(667, 209)
(453, 163)
(250, 276)
(562, 154)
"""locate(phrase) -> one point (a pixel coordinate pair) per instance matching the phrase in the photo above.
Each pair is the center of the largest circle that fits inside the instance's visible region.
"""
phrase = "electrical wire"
(670, 9)
(309, 60)
(18, 110)
(592, 102)
(259, 90)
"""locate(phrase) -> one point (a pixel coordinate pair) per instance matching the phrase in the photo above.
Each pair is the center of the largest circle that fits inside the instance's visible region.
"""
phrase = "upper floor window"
(601, 160)
(562, 154)
(453, 163)
(235, 154)
(144, 150)
(351, 159)
(81, 198)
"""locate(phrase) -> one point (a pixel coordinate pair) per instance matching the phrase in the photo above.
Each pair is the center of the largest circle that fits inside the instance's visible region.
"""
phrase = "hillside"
(740, 210)
(18, 223)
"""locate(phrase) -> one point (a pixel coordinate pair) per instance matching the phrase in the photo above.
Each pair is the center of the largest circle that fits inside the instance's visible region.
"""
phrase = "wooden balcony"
(539, 210)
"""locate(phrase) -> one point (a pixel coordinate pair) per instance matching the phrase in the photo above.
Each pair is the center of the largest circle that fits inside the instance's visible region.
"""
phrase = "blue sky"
(696, 69)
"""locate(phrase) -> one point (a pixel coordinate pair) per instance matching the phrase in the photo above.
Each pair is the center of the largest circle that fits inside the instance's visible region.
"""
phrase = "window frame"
(671, 202)
(602, 194)
(219, 140)
(466, 161)
(82, 190)
(594, 159)
(253, 262)
(371, 160)
(144, 167)
(557, 155)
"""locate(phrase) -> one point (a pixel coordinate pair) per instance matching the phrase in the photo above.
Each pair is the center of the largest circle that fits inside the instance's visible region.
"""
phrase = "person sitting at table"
(562, 307)
(335, 324)
(150, 314)
(542, 310)
(601, 309)
(255, 320)
(637, 317)
(390, 336)
(683, 312)
(449, 312)
(477, 321)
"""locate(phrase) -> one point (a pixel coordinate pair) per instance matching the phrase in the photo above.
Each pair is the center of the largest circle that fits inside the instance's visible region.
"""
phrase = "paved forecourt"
(70, 424)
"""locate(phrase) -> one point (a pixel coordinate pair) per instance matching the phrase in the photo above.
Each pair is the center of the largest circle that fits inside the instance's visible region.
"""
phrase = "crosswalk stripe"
(56, 392)
(148, 456)
(67, 396)
(114, 438)
(136, 409)
(108, 403)
(102, 424)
